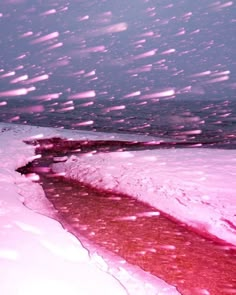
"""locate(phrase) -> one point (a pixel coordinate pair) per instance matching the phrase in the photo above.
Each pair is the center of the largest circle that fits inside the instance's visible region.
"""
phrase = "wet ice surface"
(144, 236)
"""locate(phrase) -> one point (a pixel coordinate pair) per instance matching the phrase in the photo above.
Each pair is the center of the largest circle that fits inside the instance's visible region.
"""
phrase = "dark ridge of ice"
(64, 146)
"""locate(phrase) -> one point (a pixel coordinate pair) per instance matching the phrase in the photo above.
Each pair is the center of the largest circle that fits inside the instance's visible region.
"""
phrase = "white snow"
(195, 186)
(38, 256)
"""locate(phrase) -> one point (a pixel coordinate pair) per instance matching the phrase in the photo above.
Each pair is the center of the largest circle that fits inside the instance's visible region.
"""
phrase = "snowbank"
(196, 186)
(37, 256)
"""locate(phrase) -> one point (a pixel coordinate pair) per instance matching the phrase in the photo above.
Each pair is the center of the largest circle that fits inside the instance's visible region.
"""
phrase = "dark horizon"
(69, 62)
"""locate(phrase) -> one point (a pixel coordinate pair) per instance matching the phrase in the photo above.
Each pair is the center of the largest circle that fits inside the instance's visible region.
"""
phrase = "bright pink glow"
(131, 218)
(217, 80)
(146, 54)
(181, 32)
(100, 48)
(8, 75)
(37, 79)
(16, 92)
(86, 123)
(63, 8)
(140, 41)
(86, 104)
(48, 12)
(132, 94)
(148, 214)
(223, 73)
(217, 6)
(13, 119)
(30, 89)
(48, 96)
(19, 79)
(160, 94)
(75, 74)
(115, 108)
(201, 74)
(86, 94)
(168, 247)
(198, 131)
(45, 38)
(147, 34)
(57, 45)
(18, 68)
(27, 34)
(71, 108)
(169, 51)
(89, 74)
(22, 56)
(195, 32)
(86, 17)
(32, 109)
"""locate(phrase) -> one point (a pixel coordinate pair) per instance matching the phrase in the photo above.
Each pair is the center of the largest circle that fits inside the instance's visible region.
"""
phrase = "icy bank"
(37, 256)
(195, 186)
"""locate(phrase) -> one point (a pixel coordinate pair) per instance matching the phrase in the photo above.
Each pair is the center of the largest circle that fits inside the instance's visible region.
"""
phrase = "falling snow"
(164, 70)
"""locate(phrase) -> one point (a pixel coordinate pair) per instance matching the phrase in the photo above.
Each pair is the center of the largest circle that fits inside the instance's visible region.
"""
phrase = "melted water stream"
(142, 236)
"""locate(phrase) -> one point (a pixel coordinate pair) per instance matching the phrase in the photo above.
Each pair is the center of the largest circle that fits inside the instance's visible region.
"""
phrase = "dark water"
(187, 120)
(138, 232)
(191, 263)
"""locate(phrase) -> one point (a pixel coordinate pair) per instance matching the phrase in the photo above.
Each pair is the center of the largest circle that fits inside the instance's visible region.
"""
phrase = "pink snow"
(15, 92)
(48, 12)
(45, 38)
(86, 94)
(146, 54)
(37, 79)
(19, 79)
(37, 255)
(165, 93)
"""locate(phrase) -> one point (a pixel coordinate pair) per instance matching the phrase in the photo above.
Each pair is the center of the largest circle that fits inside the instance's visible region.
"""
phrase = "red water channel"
(142, 236)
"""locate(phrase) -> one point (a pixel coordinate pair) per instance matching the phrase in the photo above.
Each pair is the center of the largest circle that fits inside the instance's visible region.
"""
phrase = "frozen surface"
(37, 256)
(195, 186)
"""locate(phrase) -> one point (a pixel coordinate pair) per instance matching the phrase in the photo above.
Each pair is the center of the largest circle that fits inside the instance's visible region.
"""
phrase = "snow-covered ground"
(195, 186)
(38, 256)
